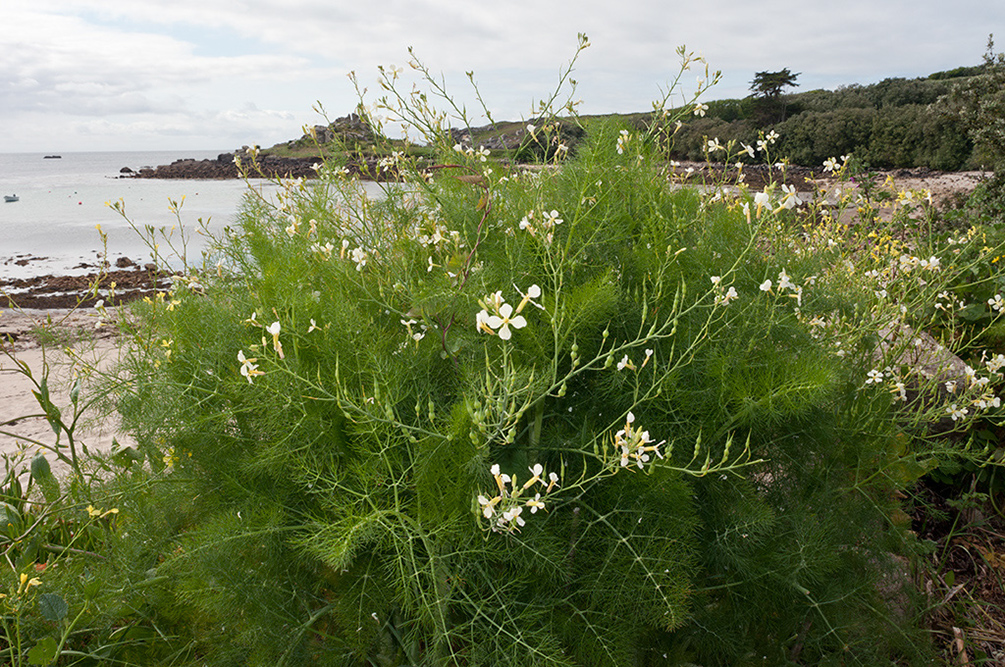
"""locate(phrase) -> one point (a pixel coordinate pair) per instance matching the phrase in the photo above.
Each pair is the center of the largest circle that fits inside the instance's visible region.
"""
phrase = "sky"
(103, 75)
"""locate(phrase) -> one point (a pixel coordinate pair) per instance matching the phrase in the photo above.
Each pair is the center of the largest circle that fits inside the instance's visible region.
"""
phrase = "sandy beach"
(76, 348)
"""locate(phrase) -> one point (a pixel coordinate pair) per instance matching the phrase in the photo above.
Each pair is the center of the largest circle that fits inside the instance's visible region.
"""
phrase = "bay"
(52, 228)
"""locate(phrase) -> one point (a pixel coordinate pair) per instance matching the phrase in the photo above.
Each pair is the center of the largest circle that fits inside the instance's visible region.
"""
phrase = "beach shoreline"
(61, 346)
(84, 287)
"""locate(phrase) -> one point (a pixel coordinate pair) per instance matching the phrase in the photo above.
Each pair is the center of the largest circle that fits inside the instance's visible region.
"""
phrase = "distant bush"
(810, 138)
(888, 124)
(979, 105)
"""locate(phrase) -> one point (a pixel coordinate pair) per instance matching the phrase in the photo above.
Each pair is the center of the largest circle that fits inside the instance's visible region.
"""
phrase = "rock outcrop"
(264, 166)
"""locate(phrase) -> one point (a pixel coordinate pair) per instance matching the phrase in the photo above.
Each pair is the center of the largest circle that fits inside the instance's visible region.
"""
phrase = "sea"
(51, 229)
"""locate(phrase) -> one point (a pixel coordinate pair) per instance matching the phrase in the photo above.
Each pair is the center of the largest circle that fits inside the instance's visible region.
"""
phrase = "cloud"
(161, 61)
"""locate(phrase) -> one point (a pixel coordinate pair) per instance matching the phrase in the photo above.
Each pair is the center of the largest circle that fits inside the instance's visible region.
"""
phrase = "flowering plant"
(367, 449)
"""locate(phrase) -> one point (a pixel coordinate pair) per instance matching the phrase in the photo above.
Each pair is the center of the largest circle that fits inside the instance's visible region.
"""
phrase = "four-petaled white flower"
(766, 286)
(996, 303)
(831, 164)
(714, 145)
(700, 109)
(957, 413)
(874, 377)
(503, 321)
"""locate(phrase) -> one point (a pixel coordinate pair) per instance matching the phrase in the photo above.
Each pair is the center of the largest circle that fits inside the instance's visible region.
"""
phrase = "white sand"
(94, 353)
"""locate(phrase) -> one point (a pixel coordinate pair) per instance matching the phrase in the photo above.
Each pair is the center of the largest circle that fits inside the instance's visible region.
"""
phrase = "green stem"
(66, 633)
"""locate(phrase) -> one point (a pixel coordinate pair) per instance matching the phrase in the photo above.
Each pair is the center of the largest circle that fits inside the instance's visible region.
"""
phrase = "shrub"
(572, 416)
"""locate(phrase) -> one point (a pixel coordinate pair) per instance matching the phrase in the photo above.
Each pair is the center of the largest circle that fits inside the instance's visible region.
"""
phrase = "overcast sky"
(218, 74)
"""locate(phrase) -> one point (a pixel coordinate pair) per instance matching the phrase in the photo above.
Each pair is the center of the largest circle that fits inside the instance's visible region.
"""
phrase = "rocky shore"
(265, 166)
(225, 166)
(114, 286)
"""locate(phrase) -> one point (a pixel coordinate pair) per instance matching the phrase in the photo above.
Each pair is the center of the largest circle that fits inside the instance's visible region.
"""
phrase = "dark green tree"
(766, 89)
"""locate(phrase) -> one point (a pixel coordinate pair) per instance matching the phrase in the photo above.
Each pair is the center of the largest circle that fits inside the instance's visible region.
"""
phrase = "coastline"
(114, 286)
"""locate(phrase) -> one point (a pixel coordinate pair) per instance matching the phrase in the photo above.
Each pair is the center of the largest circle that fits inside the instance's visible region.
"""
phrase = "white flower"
(996, 303)
(488, 506)
(716, 280)
(535, 503)
(248, 366)
(503, 321)
(766, 286)
(714, 145)
(748, 149)
(625, 363)
(482, 322)
(359, 256)
(784, 282)
(274, 330)
(724, 299)
(957, 413)
(831, 164)
(995, 363)
(899, 390)
(622, 141)
(874, 377)
(700, 109)
(791, 199)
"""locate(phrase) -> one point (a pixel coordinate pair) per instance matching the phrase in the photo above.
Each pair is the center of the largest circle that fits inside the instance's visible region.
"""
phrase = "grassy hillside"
(895, 123)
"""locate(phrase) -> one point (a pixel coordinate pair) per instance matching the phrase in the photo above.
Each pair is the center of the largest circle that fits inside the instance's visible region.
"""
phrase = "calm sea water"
(62, 200)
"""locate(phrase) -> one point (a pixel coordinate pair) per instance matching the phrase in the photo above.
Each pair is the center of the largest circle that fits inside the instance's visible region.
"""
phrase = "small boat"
(52, 157)
(10, 198)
